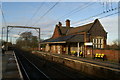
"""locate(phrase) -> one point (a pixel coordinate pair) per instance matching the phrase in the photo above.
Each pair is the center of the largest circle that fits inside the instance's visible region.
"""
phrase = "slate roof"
(69, 38)
(71, 30)
(64, 29)
(79, 29)
(67, 33)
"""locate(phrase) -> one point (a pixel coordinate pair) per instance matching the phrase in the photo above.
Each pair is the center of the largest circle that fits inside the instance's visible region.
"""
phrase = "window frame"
(98, 42)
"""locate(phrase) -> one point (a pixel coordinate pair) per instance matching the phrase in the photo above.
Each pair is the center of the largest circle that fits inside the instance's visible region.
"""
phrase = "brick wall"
(112, 55)
(56, 32)
(92, 69)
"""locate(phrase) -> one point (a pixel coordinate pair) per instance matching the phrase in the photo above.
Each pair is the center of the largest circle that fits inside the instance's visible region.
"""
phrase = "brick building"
(66, 38)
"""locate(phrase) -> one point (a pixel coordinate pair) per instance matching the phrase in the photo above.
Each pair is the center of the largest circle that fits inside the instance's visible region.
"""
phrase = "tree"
(27, 40)
(115, 45)
(2, 42)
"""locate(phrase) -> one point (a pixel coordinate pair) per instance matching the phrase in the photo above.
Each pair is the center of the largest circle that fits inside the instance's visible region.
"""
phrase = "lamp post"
(2, 33)
(7, 35)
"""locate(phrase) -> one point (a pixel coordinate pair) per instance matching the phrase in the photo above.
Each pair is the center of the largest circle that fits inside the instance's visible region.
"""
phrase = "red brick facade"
(56, 32)
(93, 32)
(112, 55)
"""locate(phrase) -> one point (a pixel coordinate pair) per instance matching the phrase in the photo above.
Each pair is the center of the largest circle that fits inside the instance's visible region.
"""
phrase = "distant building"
(66, 38)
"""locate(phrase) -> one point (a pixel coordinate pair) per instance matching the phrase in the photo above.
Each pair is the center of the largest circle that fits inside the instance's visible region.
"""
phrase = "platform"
(88, 60)
(10, 69)
(98, 68)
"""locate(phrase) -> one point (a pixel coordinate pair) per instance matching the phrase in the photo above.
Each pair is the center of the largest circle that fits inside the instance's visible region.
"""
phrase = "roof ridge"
(93, 24)
(84, 25)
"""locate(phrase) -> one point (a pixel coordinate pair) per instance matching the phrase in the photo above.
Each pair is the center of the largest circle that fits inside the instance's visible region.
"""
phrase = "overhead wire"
(95, 15)
(107, 10)
(84, 6)
(103, 16)
(35, 13)
(106, 6)
(103, 5)
(3, 15)
(81, 8)
(88, 18)
(77, 9)
(109, 15)
(46, 13)
(4, 20)
(72, 11)
(111, 5)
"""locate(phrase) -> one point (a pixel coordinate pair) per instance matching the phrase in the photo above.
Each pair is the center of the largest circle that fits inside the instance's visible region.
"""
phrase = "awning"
(64, 39)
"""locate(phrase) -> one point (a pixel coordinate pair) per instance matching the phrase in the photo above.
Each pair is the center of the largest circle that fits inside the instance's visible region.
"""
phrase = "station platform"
(88, 60)
(95, 61)
(10, 69)
(93, 67)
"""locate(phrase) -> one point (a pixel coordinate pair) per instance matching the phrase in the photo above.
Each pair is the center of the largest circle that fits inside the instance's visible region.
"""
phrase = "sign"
(88, 43)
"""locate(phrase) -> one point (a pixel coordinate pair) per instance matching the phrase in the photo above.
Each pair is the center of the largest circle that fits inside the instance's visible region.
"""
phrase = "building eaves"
(69, 38)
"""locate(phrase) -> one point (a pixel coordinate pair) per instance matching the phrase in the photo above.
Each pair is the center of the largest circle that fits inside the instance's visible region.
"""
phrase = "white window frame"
(98, 42)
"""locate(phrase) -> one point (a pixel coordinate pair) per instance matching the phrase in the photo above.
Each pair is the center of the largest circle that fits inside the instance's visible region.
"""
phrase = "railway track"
(29, 70)
(51, 69)
(61, 71)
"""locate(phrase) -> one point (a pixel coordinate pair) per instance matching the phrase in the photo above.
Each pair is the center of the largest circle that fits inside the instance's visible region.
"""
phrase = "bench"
(99, 56)
(75, 53)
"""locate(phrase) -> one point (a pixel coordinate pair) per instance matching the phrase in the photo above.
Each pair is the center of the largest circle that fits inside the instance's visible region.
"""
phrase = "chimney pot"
(59, 24)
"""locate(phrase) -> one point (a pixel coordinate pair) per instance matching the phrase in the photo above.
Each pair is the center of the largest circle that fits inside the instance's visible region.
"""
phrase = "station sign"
(88, 43)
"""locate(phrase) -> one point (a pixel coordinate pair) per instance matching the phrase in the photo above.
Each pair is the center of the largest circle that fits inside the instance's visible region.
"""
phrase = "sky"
(34, 14)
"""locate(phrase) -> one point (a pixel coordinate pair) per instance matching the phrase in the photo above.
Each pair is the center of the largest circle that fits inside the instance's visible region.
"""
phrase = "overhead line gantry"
(36, 28)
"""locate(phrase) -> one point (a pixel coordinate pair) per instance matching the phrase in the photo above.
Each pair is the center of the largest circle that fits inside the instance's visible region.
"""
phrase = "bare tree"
(115, 45)
(27, 40)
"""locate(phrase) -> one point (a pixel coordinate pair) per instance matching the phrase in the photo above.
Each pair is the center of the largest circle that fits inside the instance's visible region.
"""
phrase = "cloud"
(15, 35)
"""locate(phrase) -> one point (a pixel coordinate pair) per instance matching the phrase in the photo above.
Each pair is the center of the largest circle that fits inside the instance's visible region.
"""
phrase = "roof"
(64, 30)
(70, 30)
(69, 38)
(79, 29)
(69, 34)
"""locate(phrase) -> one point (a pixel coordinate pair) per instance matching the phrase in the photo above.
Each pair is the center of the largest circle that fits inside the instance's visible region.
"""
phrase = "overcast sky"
(30, 14)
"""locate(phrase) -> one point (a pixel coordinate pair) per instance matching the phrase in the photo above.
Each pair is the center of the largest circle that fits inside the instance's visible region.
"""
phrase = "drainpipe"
(85, 47)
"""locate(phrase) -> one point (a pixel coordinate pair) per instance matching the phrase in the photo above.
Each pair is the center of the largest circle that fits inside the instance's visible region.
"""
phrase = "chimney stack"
(67, 23)
(59, 24)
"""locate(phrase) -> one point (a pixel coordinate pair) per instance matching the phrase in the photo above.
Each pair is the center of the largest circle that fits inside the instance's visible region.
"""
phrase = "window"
(101, 43)
(97, 42)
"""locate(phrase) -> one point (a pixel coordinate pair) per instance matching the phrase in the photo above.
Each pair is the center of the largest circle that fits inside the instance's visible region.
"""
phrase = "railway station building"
(85, 38)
